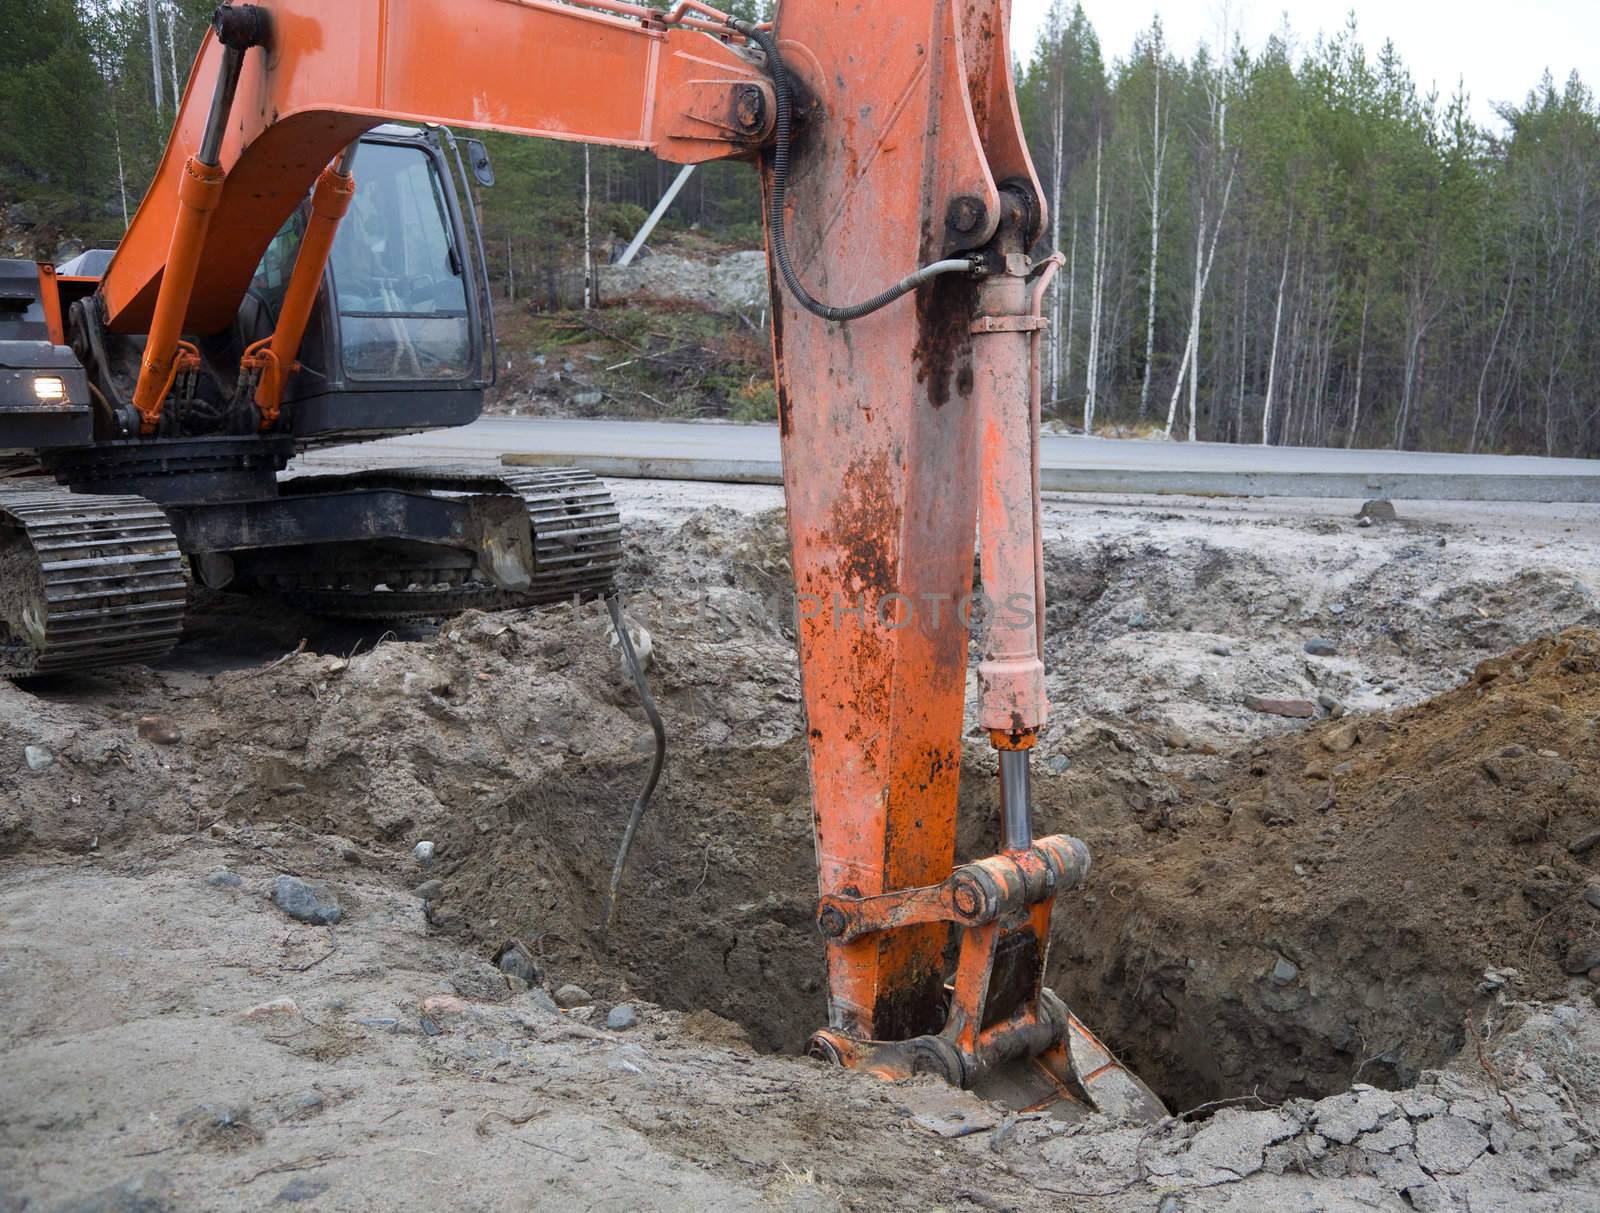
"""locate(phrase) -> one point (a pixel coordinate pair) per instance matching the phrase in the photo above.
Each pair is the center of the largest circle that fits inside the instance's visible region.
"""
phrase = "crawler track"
(577, 537)
(86, 581)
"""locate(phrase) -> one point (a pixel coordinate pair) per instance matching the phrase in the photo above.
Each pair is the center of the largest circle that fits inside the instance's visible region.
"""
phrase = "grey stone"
(622, 1017)
(1592, 895)
(588, 400)
(569, 996)
(424, 854)
(1284, 972)
(429, 890)
(1139, 620)
(37, 757)
(1221, 650)
(148, 1193)
(1058, 763)
(305, 903)
(540, 998)
(224, 879)
(1582, 955)
(1379, 509)
(1446, 1145)
(514, 961)
(1321, 646)
(300, 1188)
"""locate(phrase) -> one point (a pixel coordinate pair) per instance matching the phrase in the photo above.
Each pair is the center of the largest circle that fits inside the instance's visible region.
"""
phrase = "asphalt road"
(750, 454)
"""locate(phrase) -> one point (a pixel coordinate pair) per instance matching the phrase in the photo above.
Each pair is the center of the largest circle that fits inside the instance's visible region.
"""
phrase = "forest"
(1289, 243)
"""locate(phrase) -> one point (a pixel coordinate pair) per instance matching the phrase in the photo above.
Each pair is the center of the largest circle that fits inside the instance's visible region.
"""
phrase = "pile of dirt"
(1333, 905)
(1309, 910)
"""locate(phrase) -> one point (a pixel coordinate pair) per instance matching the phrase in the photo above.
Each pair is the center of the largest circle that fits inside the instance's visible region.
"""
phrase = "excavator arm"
(888, 138)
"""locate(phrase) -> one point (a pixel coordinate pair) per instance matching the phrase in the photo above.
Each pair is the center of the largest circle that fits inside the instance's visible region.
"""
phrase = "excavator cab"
(402, 331)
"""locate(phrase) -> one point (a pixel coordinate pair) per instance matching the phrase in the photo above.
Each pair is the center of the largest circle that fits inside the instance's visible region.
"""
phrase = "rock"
(1284, 972)
(424, 854)
(1341, 739)
(540, 998)
(224, 879)
(151, 1192)
(1582, 955)
(588, 400)
(300, 1188)
(1321, 646)
(442, 1006)
(1592, 895)
(1447, 1145)
(1139, 620)
(1587, 843)
(159, 730)
(1378, 510)
(581, 1014)
(278, 1008)
(1058, 763)
(1302, 709)
(1221, 650)
(514, 960)
(622, 1017)
(37, 757)
(306, 903)
(429, 890)
(569, 996)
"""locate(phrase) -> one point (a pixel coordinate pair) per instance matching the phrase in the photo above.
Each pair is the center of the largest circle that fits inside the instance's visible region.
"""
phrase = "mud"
(1277, 910)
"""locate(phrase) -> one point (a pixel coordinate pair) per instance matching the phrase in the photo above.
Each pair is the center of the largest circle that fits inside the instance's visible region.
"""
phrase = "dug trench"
(1270, 913)
(1321, 909)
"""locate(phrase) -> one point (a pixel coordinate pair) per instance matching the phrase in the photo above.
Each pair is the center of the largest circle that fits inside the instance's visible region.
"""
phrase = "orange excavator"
(305, 272)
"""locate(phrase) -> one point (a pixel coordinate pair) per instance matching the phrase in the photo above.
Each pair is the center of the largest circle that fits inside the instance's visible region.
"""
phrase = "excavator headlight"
(50, 389)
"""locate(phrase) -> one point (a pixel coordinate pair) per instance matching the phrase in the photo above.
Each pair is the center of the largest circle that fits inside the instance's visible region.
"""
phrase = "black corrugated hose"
(631, 660)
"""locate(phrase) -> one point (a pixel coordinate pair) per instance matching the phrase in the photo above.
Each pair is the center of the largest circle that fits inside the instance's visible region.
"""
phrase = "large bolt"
(750, 108)
(831, 923)
(965, 213)
(967, 897)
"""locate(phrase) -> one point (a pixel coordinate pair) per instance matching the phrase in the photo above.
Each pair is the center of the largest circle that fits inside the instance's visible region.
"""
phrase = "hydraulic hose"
(631, 659)
(780, 186)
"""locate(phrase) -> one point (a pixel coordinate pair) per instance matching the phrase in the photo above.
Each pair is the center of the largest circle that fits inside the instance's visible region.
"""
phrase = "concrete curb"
(1412, 486)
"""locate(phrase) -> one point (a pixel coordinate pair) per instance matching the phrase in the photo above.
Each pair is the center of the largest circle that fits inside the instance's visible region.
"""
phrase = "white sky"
(1500, 47)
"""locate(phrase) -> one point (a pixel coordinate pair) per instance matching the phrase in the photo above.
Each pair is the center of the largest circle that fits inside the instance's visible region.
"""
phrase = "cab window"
(397, 275)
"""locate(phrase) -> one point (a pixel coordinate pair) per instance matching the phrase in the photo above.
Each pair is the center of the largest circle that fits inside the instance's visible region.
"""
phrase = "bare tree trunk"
(155, 56)
(511, 273)
(1277, 326)
(122, 179)
(172, 54)
(1202, 275)
(1072, 311)
(1361, 361)
(588, 245)
(1059, 132)
(1494, 344)
(1096, 284)
(1158, 156)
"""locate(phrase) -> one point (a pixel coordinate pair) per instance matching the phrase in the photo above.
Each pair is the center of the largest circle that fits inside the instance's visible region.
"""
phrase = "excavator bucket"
(908, 427)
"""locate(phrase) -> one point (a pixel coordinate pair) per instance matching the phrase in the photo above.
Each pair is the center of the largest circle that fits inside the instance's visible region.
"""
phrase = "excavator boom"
(902, 211)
